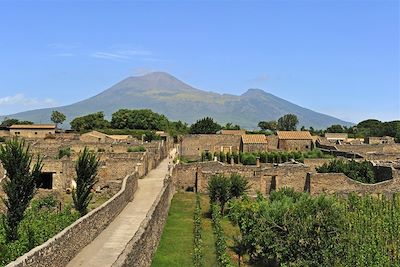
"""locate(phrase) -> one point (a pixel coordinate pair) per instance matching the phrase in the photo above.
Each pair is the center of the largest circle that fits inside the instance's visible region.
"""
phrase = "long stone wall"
(60, 249)
(269, 177)
(140, 249)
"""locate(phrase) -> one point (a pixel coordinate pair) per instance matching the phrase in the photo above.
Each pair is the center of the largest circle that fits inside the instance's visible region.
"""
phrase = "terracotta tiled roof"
(33, 126)
(233, 132)
(294, 135)
(254, 139)
(95, 134)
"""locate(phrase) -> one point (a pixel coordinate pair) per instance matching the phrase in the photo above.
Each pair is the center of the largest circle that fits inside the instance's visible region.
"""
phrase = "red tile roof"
(254, 139)
(294, 135)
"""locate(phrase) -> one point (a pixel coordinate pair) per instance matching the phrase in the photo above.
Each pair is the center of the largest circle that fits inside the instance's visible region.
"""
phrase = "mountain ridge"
(164, 93)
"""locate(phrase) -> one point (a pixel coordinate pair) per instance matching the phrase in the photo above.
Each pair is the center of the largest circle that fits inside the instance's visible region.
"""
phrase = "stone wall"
(339, 183)
(254, 147)
(269, 177)
(60, 249)
(192, 145)
(196, 175)
(300, 145)
(140, 249)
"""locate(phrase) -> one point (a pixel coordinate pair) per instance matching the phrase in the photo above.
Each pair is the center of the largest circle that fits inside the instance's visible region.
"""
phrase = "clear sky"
(336, 57)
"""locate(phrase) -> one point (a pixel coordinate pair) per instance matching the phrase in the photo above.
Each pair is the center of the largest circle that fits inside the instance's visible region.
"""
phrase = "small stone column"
(232, 161)
(258, 162)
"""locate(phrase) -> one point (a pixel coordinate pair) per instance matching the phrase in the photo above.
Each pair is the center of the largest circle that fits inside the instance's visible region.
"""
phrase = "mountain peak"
(254, 92)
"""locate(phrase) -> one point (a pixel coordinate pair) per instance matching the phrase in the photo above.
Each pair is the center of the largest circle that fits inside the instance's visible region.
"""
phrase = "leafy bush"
(219, 237)
(221, 189)
(359, 171)
(39, 224)
(295, 229)
(198, 257)
(136, 149)
(248, 158)
(64, 152)
(2, 139)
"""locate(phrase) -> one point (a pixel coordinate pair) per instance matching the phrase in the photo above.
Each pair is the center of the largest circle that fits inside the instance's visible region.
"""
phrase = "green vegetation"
(136, 149)
(221, 188)
(57, 117)
(64, 152)
(42, 221)
(205, 126)
(359, 171)
(198, 257)
(86, 170)
(265, 157)
(20, 185)
(287, 122)
(8, 122)
(219, 236)
(295, 229)
(90, 122)
(176, 244)
(141, 119)
(271, 126)
(2, 139)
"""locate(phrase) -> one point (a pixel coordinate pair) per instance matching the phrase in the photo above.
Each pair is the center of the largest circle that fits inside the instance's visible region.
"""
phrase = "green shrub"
(136, 149)
(359, 171)
(2, 139)
(198, 257)
(64, 152)
(249, 159)
(219, 236)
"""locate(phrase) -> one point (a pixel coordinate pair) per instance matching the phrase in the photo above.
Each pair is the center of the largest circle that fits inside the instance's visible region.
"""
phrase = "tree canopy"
(288, 122)
(268, 125)
(141, 119)
(205, 126)
(57, 117)
(90, 122)
(7, 122)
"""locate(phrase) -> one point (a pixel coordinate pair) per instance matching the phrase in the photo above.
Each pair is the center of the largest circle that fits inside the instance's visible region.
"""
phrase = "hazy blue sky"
(337, 57)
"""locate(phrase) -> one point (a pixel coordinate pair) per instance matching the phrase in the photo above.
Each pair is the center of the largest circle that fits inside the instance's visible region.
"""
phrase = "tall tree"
(288, 122)
(335, 128)
(86, 177)
(205, 126)
(90, 122)
(57, 117)
(20, 184)
(268, 125)
(142, 119)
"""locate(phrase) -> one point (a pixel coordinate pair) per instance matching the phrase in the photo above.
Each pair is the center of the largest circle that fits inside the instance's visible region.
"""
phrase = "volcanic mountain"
(165, 94)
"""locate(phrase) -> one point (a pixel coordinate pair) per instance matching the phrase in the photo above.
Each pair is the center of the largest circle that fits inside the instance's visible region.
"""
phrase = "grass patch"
(176, 244)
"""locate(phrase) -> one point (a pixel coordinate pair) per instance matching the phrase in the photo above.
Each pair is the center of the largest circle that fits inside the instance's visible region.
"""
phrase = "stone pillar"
(232, 161)
(258, 162)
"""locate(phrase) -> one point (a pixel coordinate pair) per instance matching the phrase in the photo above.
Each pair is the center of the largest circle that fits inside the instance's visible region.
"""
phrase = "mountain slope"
(165, 94)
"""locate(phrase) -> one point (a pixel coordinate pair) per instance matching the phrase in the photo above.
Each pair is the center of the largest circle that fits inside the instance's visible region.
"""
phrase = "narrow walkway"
(105, 248)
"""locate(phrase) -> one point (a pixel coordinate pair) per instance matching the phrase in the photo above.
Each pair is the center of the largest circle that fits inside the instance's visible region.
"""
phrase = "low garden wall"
(60, 249)
(140, 249)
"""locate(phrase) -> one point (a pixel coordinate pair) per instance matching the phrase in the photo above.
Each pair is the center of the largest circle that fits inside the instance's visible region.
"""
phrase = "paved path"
(105, 248)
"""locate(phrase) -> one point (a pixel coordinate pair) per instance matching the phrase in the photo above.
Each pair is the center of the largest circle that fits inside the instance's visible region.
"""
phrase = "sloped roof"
(294, 135)
(33, 126)
(254, 139)
(95, 134)
(119, 136)
(233, 132)
(336, 135)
